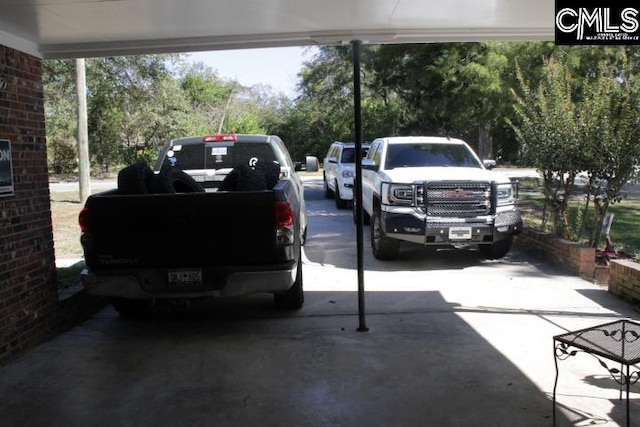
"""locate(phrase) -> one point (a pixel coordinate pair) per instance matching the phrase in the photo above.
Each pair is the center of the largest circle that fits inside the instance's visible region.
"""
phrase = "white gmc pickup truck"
(435, 191)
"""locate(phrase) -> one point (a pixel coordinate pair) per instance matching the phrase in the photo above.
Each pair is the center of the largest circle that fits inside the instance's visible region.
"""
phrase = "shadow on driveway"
(241, 363)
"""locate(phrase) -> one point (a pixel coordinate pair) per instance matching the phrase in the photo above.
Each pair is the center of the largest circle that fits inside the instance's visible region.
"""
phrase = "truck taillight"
(219, 137)
(83, 220)
(284, 223)
(284, 214)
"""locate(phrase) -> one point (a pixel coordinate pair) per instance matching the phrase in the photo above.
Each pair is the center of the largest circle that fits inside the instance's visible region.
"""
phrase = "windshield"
(429, 154)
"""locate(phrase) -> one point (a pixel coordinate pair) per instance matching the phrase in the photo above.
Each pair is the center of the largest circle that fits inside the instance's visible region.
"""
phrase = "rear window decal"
(218, 151)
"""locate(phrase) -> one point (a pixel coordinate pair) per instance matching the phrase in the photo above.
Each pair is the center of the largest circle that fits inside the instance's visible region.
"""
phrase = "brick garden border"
(621, 276)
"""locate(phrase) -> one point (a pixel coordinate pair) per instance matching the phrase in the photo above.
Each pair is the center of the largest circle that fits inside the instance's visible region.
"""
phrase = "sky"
(276, 67)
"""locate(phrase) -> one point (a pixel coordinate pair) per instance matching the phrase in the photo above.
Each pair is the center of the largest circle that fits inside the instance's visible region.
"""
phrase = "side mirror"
(332, 160)
(369, 164)
(489, 163)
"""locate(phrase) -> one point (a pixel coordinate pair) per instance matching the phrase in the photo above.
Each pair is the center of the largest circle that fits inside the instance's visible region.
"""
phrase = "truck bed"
(181, 230)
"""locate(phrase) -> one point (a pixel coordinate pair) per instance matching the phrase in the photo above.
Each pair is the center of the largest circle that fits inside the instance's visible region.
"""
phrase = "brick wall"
(624, 279)
(577, 258)
(28, 295)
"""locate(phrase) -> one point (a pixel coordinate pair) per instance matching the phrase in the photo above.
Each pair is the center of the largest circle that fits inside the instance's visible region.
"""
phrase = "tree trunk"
(485, 142)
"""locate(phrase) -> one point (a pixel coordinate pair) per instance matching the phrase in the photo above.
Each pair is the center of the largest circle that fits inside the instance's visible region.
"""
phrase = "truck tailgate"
(181, 230)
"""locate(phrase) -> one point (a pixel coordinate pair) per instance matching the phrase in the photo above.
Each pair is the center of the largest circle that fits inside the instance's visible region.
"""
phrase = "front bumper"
(451, 231)
(153, 283)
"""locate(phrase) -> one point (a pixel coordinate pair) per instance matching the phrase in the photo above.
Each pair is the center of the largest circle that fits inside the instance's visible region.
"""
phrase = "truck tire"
(133, 308)
(383, 248)
(173, 180)
(340, 202)
(271, 172)
(135, 179)
(496, 250)
(327, 191)
(366, 219)
(293, 299)
(243, 178)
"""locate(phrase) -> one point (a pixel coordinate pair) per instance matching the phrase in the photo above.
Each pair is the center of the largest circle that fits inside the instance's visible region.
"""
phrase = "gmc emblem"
(458, 192)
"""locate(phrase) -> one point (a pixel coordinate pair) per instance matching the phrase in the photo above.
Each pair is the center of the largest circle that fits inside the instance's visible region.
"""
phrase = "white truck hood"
(410, 175)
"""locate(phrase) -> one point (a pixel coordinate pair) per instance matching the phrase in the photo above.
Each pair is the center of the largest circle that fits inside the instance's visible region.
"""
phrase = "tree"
(137, 103)
(446, 89)
(208, 95)
(610, 119)
(548, 133)
(576, 122)
(60, 115)
(129, 112)
(323, 112)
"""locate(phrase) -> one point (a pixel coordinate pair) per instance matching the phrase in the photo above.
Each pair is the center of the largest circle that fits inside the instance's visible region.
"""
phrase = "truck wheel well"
(376, 202)
(293, 299)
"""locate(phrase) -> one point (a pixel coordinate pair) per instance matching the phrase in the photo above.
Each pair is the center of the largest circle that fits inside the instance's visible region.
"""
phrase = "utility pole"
(224, 113)
(83, 134)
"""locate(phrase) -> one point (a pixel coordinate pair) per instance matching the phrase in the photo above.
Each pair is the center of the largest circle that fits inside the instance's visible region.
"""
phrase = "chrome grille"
(458, 199)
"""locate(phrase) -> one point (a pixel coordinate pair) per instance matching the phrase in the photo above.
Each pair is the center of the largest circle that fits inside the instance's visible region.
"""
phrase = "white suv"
(339, 171)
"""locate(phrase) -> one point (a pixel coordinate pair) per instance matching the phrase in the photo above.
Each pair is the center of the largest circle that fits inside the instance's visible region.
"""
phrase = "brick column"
(28, 292)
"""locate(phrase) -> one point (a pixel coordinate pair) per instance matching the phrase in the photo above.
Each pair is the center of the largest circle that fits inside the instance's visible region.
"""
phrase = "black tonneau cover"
(181, 230)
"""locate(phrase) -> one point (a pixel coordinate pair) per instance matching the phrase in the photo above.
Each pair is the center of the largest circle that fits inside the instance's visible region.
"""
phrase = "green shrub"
(62, 156)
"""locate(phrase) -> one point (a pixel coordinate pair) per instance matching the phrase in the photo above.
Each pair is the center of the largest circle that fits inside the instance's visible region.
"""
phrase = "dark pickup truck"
(205, 223)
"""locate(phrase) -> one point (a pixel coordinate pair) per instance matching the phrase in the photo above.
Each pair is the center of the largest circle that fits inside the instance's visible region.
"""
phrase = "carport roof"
(85, 28)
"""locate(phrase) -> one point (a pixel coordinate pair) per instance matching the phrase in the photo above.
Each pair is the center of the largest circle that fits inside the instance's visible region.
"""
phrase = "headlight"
(505, 194)
(397, 194)
(348, 174)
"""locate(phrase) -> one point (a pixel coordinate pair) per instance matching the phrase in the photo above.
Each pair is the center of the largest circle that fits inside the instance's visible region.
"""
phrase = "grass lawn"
(623, 233)
(65, 208)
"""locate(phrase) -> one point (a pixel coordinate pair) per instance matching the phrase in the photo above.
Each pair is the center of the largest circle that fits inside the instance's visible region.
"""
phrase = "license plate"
(191, 277)
(459, 233)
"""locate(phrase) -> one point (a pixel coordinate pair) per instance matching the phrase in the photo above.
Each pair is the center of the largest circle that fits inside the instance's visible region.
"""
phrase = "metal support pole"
(555, 383)
(357, 112)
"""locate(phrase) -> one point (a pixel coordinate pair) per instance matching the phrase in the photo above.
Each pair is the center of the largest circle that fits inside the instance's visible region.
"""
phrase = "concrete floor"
(466, 346)
(452, 341)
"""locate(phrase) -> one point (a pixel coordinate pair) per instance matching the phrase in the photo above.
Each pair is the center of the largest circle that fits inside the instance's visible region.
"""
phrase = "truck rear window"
(216, 155)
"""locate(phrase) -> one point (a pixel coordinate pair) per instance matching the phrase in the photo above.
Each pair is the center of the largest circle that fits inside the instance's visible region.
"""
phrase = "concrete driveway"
(452, 341)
